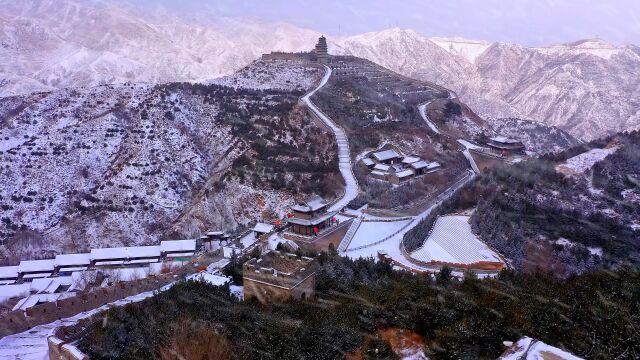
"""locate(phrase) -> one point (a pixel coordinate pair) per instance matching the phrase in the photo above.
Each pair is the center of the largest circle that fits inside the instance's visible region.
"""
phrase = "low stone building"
(423, 167)
(401, 176)
(278, 276)
(387, 157)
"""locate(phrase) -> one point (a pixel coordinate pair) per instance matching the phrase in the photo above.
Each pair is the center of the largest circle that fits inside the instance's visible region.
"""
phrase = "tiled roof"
(386, 155)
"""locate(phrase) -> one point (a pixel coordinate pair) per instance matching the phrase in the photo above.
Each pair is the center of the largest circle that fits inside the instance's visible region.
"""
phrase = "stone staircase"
(346, 240)
(472, 162)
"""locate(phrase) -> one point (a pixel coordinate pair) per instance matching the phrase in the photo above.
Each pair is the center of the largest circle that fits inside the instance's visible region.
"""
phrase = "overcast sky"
(529, 22)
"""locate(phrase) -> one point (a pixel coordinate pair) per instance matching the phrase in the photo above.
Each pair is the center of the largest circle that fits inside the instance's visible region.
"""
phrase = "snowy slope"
(116, 165)
(585, 161)
(52, 44)
(596, 47)
(536, 136)
(468, 49)
(588, 88)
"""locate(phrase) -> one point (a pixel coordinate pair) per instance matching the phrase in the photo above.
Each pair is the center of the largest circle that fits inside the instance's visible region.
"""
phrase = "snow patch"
(585, 161)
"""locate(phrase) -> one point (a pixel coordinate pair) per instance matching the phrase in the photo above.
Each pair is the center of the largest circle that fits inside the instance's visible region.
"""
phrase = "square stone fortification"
(277, 276)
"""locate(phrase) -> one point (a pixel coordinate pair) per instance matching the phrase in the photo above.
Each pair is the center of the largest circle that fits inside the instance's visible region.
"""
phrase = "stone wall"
(61, 343)
(306, 289)
(43, 313)
(266, 292)
(276, 55)
(13, 322)
(60, 350)
(18, 321)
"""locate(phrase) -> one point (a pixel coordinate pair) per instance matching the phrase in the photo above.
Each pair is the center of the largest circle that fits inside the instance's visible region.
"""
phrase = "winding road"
(422, 109)
(344, 155)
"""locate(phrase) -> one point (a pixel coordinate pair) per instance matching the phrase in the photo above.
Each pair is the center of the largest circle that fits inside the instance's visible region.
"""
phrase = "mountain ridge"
(586, 87)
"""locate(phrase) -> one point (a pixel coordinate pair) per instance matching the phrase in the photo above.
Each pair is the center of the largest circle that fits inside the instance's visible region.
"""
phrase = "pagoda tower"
(321, 50)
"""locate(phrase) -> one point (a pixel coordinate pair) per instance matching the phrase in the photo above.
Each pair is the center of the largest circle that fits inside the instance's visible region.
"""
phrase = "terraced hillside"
(378, 108)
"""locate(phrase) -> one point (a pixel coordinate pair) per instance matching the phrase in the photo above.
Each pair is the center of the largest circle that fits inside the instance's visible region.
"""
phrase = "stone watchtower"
(321, 51)
(277, 277)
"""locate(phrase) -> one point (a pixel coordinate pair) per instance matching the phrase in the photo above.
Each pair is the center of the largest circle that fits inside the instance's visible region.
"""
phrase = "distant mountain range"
(589, 88)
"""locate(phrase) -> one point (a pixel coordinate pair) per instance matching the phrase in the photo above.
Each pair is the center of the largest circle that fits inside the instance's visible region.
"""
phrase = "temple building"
(321, 50)
(309, 217)
(387, 156)
(505, 146)
(277, 277)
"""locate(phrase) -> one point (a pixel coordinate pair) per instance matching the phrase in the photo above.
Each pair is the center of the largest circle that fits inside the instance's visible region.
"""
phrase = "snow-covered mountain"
(136, 163)
(48, 44)
(588, 88)
(468, 49)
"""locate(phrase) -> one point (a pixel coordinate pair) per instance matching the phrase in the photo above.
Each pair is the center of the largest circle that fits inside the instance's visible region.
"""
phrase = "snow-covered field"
(372, 231)
(452, 241)
(585, 161)
(392, 245)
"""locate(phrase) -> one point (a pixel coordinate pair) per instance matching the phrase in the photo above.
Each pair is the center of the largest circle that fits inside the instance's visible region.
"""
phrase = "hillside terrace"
(407, 90)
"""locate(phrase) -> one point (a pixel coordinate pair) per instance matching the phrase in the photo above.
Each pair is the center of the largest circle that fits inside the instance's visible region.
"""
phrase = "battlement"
(282, 271)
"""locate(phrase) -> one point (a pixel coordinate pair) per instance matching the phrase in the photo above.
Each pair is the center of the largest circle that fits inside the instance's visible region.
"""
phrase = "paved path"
(467, 145)
(422, 109)
(32, 344)
(344, 155)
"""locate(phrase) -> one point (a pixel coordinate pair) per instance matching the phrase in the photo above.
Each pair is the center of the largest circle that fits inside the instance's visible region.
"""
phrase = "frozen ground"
(344, 159)
(581, 163)
(372, 231)
(451, 240)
